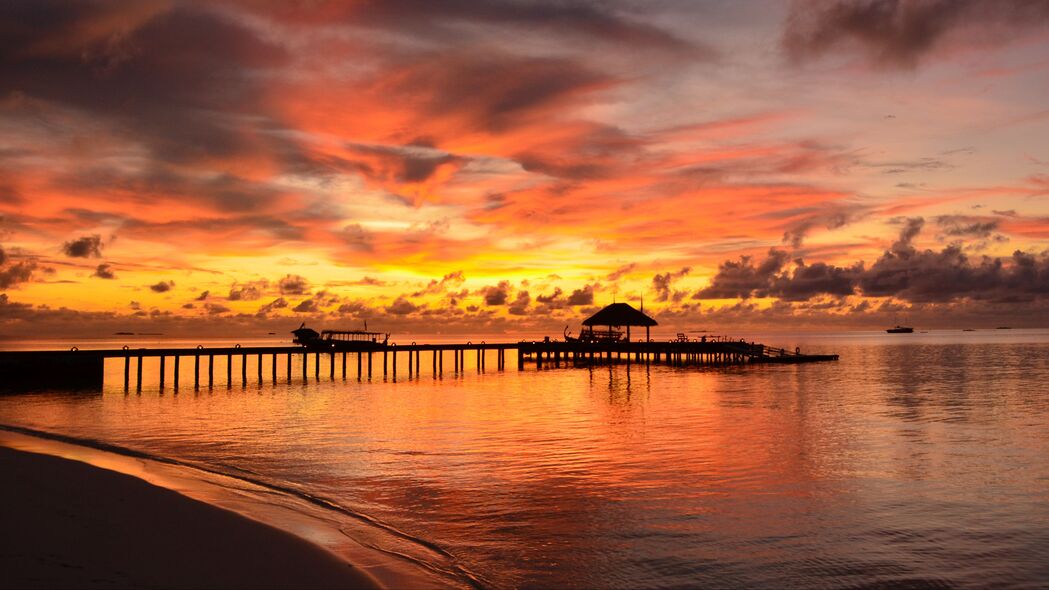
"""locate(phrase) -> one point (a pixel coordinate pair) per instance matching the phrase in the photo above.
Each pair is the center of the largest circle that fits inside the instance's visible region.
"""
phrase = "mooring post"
(273, 368)
(289, 367)
(196, 369)
(418, 353)
(384, 364)
(138, 378)
(211, 370)
(162, 372)
(344, 365)
(174, 375)
(317, 365)
(127, 372)
(259, 368)
(305, 356)
(243, 369)
(434, 363)
(331, 368)
(394, 354)
(369, 365)
(439, 353)
(229, 371)
(359, 366)
(520, 358)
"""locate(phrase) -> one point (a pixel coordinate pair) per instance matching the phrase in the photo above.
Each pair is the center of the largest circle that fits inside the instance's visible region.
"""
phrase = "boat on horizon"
(339, 340)
(900, 330)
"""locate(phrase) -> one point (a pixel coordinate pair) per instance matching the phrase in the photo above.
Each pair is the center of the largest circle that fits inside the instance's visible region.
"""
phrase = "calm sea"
(919, 460)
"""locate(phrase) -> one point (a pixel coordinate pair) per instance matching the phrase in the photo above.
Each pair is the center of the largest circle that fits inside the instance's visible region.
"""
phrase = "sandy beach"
(70, 525)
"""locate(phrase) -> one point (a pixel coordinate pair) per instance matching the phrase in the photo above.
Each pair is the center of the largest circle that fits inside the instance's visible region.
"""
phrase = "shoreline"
(70, 524)
(97, 519)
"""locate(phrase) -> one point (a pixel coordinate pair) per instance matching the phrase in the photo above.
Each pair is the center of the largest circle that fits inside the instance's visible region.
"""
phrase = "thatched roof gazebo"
(618, 315)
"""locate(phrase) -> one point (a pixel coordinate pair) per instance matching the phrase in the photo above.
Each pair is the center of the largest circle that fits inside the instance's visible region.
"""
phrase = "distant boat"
(1003, 328)
(968, 330)
(900, 330)
(340, 339)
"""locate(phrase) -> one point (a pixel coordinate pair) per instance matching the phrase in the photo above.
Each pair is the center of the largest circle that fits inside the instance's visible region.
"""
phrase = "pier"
(85, 369)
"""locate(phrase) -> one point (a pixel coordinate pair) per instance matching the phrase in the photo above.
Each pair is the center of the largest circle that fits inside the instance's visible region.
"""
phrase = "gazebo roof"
(619, 314)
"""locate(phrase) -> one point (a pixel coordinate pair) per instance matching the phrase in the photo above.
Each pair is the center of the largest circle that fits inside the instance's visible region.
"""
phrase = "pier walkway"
(85, 369)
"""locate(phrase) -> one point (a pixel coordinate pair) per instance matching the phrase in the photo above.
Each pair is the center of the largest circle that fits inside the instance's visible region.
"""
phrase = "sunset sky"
(225, 168)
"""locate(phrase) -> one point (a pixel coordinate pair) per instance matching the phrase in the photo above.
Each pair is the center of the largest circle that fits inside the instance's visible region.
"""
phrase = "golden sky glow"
(501, 166)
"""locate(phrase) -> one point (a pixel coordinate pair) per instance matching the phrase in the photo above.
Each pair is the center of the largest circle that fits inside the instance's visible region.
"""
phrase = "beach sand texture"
(66, 524)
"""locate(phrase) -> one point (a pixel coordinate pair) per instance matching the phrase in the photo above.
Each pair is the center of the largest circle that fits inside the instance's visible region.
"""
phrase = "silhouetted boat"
(340, 339)
(1003, 328)
(900, 330)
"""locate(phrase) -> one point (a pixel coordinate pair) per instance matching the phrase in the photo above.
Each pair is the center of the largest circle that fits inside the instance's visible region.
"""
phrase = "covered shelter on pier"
(619, 315)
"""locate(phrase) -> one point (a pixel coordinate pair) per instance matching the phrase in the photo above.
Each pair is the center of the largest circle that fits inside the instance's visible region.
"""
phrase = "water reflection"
(915, 463)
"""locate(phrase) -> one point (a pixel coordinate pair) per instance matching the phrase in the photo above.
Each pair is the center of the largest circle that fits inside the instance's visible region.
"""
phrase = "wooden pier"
(85, 369)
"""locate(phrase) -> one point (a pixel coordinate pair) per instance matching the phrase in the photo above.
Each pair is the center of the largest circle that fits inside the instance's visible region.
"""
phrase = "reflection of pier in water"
(85, 369)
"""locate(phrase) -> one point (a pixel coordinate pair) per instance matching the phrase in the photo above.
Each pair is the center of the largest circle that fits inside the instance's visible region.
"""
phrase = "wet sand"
(67, 524)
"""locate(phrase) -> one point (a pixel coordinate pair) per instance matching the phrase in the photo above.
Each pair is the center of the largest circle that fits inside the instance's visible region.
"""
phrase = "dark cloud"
(357, 238)
(583, 296)
(403, 164)
(105, 271)
(494, 92)
(293, 285)
(401, 306)
(223, 192)
(902, 272)
(156, 74)
(14, 274)
(958, 226)
(3, 256)
(621, 272)
(911, 228)
(215, 308)
(250, 291)
(306, 306)
(834, 218)
(356, 308)
(661, 283)
(203, 296)
(743, 279)
(808, 281)
(606, 21)
(162, 286)
(85, 247)
(497, 295)
(899, 32)
(553, 299)
(233, 226)
(278, 303)
(519, 306)
(450, 280)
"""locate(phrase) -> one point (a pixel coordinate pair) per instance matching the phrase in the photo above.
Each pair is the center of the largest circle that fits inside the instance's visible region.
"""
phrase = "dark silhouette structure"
(614, 316)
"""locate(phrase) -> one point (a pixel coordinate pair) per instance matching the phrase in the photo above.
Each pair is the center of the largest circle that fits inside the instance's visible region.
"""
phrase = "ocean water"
(918, 460)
